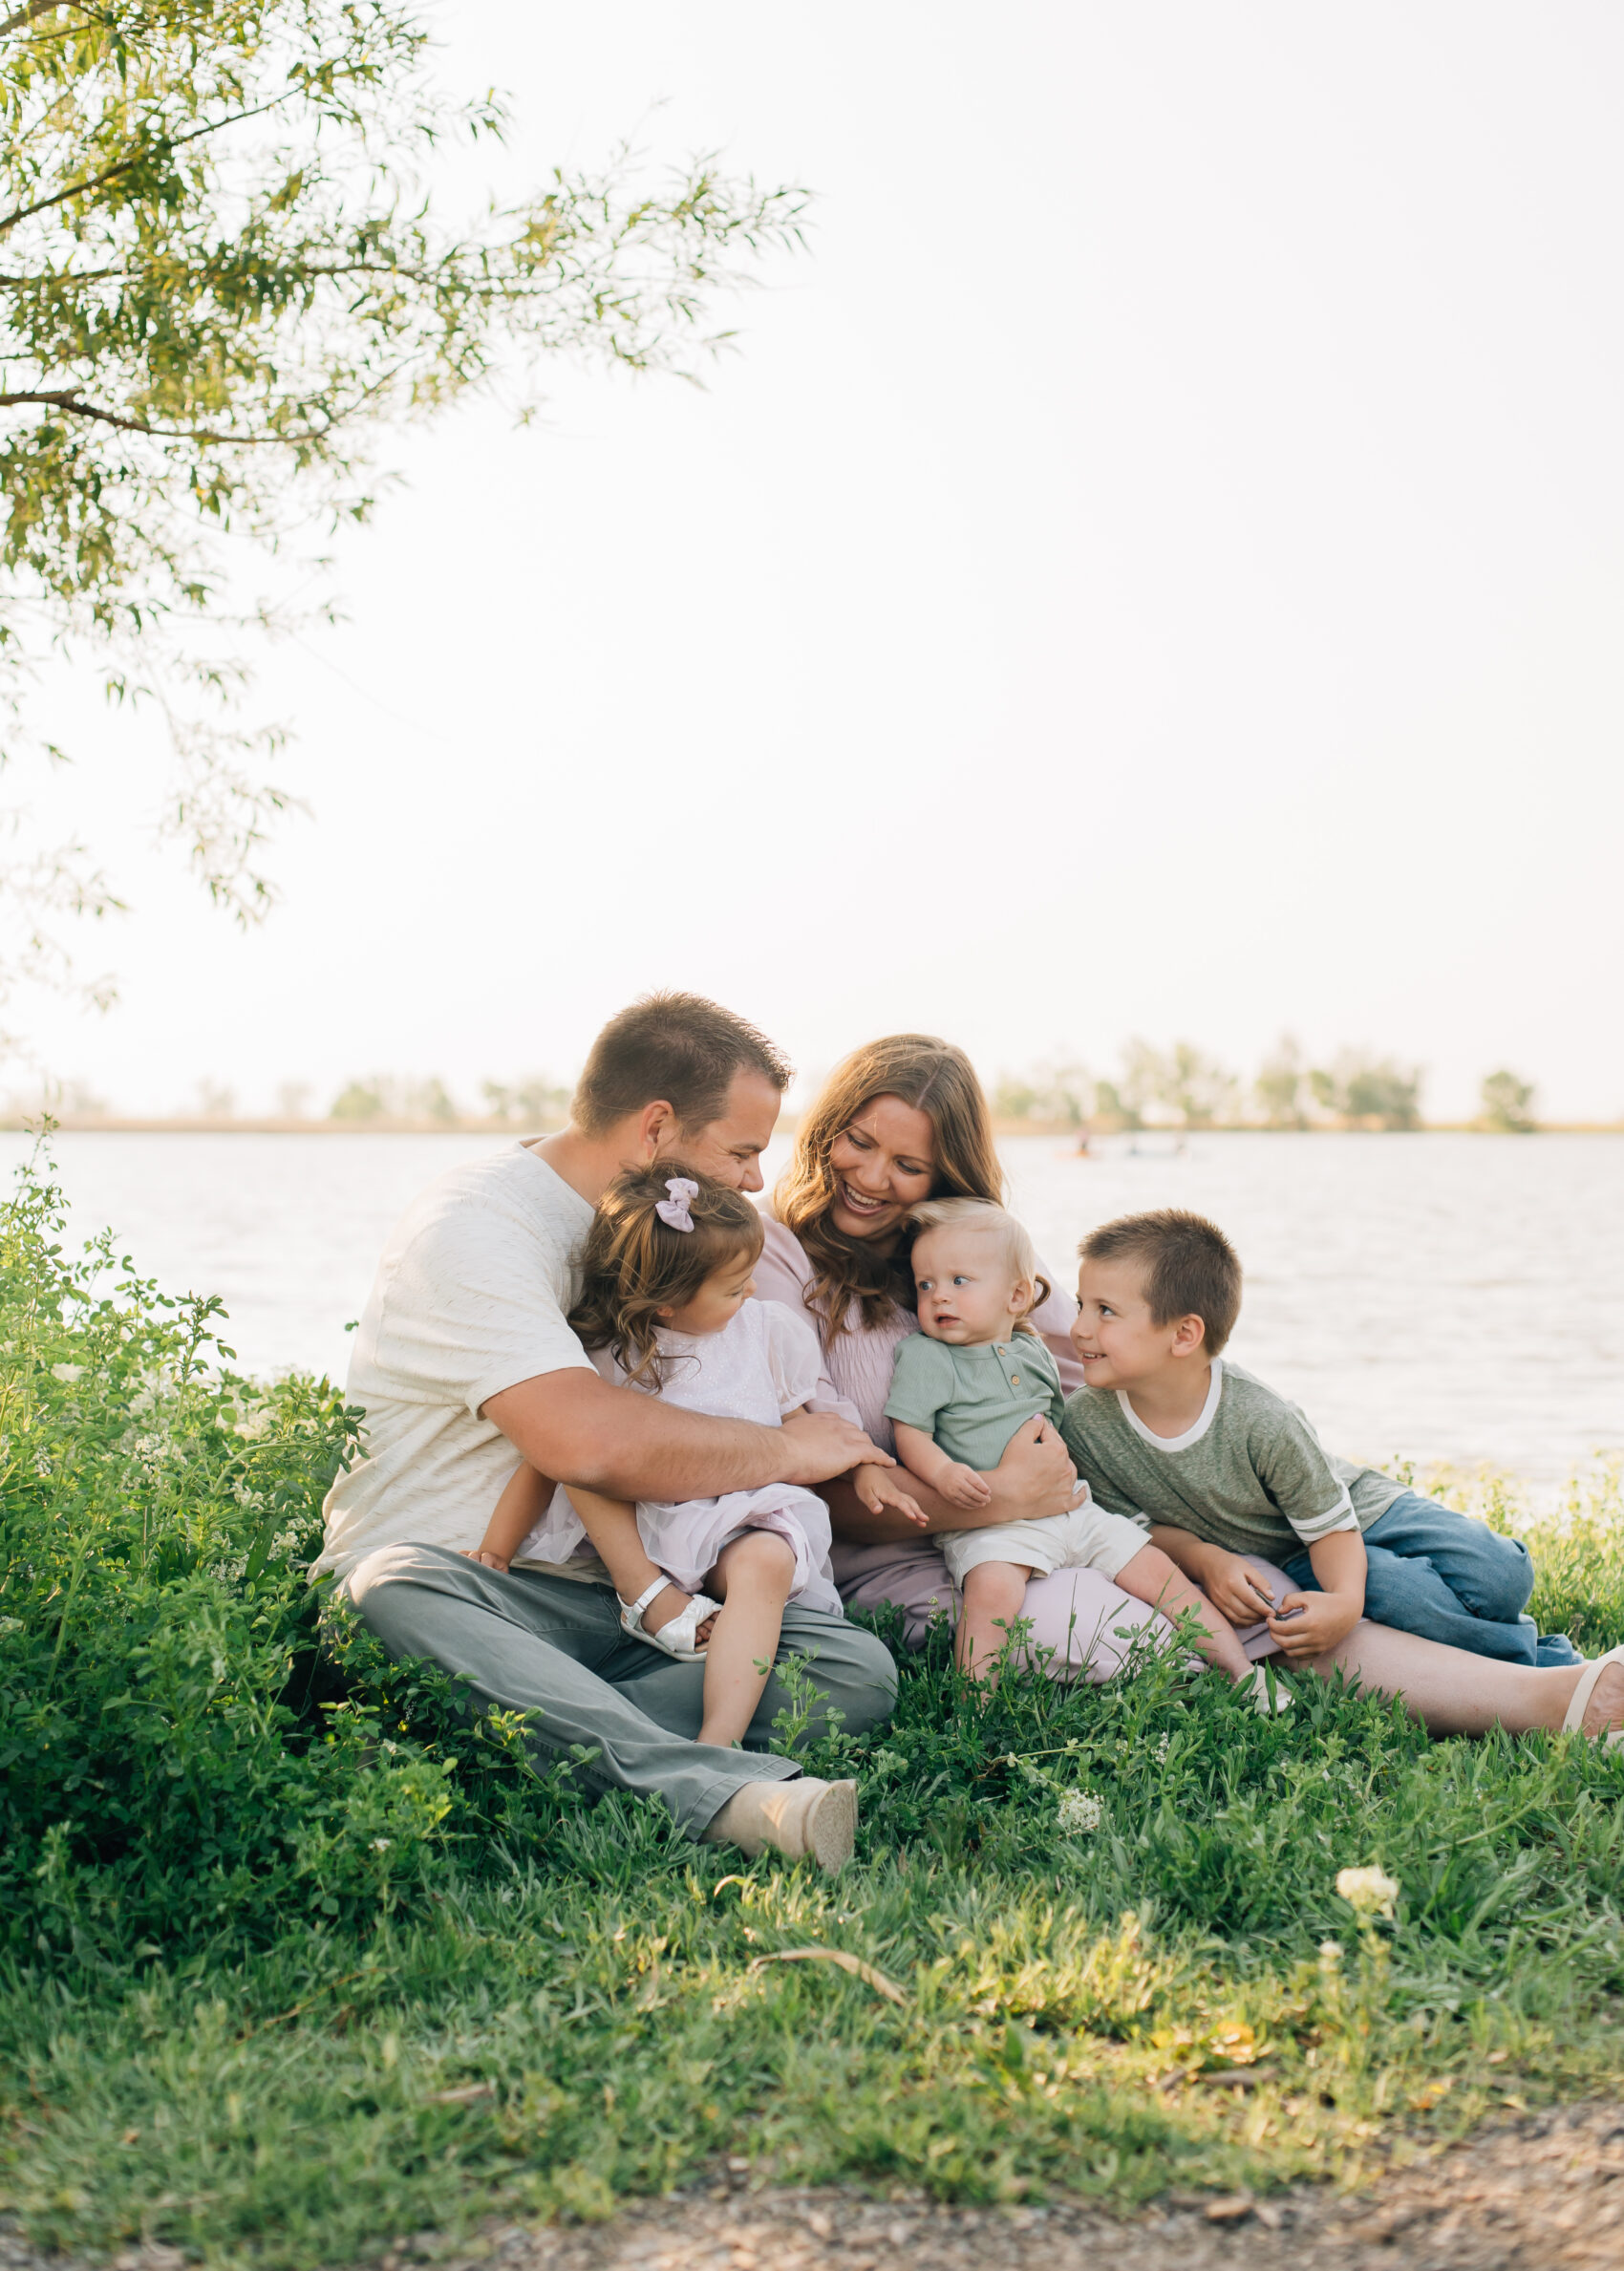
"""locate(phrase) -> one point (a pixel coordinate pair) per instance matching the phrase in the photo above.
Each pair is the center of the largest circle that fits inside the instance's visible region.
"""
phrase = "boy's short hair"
(671, 1048)
(1190, 1268)
(988, 1221)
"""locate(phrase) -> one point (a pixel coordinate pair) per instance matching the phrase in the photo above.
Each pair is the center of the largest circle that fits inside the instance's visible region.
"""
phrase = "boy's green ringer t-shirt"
(1252, 1475)
(972, 1399)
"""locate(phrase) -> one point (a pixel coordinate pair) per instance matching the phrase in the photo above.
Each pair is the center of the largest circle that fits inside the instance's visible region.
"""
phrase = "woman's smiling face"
(883, 1161)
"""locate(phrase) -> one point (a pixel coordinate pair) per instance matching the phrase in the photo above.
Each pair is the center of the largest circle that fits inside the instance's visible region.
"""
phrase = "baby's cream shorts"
(1085, 1538)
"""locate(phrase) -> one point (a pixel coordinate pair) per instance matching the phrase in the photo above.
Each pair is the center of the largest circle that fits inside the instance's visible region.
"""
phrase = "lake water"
(1436, 1297)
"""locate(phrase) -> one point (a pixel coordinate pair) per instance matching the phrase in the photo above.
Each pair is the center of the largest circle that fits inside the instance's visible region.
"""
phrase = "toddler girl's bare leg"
(611, 1526)
(752, 1576)
(1154, 1576)
(995, 1593)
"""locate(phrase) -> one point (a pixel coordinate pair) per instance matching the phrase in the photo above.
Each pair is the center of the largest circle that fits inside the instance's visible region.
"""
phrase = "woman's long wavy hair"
(636, 1264)
(935, 1078)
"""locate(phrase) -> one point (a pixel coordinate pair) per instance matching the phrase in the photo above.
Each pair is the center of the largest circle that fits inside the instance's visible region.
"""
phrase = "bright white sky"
(1154, 568)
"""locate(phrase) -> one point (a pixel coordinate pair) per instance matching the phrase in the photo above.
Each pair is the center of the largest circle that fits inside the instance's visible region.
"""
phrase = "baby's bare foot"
(1605, 1711)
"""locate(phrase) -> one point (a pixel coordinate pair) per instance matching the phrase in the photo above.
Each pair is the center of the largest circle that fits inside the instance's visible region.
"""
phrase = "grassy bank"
(296, 1960)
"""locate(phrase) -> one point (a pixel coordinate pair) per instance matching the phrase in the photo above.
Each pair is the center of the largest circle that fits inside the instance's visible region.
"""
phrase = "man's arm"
(1034, 1477)
(574, 1425)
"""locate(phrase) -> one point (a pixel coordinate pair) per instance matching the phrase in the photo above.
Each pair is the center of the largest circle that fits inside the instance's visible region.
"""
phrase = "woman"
(904, 1120)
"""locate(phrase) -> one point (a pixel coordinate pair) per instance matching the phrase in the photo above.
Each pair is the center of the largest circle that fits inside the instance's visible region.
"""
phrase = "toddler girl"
(975, 1372)
(665, 1307)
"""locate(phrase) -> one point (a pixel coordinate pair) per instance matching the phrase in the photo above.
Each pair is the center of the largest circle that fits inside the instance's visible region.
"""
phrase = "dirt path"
(1543, 2191)
(1546, 2191)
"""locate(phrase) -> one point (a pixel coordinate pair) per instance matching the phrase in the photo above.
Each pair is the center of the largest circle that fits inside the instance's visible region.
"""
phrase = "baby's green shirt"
(972, 1399)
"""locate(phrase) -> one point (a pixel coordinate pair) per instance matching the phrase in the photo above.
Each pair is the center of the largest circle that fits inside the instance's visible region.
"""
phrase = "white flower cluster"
(1368, 1892)
(887, 1762)
(1079, 1813)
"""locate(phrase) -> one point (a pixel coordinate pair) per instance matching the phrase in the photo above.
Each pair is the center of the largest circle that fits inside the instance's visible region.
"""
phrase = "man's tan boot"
(805, 1819)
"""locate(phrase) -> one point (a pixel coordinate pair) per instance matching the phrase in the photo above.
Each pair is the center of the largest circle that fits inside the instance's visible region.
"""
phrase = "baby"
(972, 1375)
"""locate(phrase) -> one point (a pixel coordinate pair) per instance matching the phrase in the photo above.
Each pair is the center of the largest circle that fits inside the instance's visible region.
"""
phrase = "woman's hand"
(1034, 1477)
(485, 1558)
(878, 1488)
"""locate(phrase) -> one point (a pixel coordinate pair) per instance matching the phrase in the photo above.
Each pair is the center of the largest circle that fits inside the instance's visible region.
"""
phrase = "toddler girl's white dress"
(764, 1363)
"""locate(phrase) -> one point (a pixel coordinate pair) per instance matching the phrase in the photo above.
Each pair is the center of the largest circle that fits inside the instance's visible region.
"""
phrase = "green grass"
(296, 1962)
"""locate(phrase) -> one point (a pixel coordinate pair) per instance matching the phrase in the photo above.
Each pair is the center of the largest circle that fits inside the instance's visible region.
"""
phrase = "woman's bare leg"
(1455, 1693)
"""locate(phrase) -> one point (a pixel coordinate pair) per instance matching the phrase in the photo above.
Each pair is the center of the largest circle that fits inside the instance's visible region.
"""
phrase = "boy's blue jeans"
(1448, 1578)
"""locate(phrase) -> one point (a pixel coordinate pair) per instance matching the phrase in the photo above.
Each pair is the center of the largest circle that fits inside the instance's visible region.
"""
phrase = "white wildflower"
(1330, 1954)
(382, 1845)
(887, 1762)
(9, 1625)
(1080, 1813)
(1162, 1750)
(1369, 1891)
(66, 1372)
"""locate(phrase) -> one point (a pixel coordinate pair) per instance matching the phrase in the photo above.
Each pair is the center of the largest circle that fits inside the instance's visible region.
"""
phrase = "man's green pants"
(550, 1646)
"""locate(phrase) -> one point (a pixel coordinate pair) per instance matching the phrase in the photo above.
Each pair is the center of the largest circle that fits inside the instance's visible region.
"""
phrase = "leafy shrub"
(179, 1768)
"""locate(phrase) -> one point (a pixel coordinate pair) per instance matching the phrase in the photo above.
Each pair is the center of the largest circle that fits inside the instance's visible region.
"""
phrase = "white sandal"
(678, 1636)
(1574, 1722)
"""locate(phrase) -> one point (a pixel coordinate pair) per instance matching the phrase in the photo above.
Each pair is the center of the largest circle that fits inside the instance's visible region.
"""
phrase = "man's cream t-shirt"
(472, 1296)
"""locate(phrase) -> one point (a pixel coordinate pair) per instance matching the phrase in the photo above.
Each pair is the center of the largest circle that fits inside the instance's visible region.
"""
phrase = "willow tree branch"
(178, 141)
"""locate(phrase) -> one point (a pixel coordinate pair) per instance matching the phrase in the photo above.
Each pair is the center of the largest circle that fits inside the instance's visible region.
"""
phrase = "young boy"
(1223, 1467)
(972, 1375)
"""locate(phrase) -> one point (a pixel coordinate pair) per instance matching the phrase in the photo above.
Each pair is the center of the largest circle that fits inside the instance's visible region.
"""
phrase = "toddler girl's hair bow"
(674, 1209)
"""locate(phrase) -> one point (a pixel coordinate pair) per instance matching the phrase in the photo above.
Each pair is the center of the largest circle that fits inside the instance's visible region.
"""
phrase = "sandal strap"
(1574, 1717)
(633, 1617)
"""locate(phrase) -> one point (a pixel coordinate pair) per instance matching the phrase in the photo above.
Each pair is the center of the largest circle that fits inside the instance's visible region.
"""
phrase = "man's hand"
(820, 1445)
(1235, 1588)
(961, 1484)
(485, 1559)
(1307, 1624)
(877, 1488)
(1036, 1476)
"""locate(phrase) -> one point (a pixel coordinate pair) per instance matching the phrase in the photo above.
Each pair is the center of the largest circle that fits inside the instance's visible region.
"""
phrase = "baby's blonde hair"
(985, 1219)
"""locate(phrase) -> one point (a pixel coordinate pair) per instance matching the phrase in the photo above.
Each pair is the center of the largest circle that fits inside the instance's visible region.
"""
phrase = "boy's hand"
(1320, 1621)
(878, 1487)
(1234, 1587)
(485, 1558)
(961, 1485)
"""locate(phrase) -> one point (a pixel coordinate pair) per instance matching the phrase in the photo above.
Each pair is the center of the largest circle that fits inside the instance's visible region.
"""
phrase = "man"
(464, 1361)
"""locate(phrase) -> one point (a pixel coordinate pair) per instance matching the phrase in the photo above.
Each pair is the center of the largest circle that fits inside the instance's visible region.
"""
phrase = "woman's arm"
(1034, 1477)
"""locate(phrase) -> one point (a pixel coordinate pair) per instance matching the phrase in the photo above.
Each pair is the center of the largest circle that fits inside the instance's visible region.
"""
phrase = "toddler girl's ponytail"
(658, 1233)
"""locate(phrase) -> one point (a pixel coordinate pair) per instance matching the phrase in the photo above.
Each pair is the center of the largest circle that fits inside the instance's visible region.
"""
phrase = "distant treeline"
(1179, 1087)
(1184, 1088)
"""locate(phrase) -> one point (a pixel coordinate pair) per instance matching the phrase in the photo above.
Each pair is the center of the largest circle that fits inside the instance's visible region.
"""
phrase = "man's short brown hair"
(1190, 1268)
(671, 1048)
